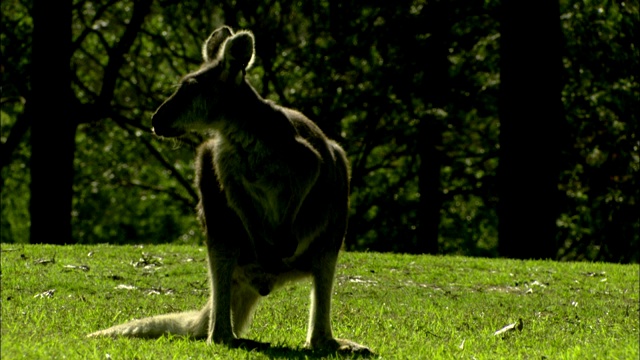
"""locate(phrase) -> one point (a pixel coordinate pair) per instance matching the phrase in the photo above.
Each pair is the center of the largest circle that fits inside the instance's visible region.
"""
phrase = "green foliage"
(401, 306)
(128, 202)
(15, 209)
(14, 176)
(602, 89)
(360, 71)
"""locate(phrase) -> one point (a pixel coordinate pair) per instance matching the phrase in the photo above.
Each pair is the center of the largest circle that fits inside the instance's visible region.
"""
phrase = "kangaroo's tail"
(192, 323)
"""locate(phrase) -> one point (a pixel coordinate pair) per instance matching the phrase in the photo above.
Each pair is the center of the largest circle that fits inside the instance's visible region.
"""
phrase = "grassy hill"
(401, 306)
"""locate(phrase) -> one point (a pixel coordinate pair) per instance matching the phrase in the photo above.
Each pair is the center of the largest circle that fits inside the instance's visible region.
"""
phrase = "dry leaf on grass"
(515, 326)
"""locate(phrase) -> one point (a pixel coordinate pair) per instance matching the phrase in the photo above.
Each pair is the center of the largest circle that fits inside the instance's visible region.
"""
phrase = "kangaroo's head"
(207, 95)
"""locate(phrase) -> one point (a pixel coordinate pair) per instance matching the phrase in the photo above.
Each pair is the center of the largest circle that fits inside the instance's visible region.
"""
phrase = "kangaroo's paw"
(349, 346)
(342, 346)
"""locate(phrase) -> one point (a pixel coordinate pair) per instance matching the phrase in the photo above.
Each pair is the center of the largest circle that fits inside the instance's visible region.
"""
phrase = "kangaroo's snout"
(162, 125)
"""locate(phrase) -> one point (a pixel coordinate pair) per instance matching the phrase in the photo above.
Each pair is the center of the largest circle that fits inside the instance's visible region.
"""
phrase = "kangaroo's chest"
(253, 176)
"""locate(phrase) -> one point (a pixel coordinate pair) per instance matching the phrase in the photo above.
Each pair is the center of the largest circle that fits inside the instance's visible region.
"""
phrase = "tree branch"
(88, 27)
(188, 203)
(116, 54)
(122, 122)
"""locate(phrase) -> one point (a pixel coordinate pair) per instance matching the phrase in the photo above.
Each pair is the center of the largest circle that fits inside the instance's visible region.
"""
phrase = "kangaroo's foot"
(233, 342)
(243, 344)
(341, 346)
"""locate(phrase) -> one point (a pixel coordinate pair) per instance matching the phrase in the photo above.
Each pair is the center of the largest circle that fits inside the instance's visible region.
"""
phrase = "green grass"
(401, 306)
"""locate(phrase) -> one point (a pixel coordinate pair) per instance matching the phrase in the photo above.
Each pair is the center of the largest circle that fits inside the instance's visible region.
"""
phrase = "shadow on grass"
(285, 352)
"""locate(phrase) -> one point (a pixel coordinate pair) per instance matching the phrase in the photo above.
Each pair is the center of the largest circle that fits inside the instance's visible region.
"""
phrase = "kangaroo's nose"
(167, 132)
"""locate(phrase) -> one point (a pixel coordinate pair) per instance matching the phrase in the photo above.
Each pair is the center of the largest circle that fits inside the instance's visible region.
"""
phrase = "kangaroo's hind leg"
(320, 336)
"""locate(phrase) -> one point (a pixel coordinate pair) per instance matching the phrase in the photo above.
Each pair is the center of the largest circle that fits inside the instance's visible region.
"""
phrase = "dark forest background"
(482, 128)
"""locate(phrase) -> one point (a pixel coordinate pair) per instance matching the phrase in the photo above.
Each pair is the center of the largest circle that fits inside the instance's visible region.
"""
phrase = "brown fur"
(273, 199)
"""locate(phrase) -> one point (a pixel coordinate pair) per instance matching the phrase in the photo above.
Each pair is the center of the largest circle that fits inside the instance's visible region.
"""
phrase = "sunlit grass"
(401, 306)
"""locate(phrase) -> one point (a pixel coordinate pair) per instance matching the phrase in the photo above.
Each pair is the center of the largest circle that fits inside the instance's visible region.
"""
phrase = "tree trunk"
(429, 184)
(53, 129)
(531, 119)
(435, 86)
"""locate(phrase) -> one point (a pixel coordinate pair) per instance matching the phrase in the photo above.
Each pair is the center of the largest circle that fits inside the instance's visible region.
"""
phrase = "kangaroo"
(274, 198)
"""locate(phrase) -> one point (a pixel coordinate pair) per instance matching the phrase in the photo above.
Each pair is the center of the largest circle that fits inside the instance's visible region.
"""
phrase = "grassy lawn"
(401, 306)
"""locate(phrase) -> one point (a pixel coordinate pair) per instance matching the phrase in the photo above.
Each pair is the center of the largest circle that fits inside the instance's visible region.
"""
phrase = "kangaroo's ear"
(211, 47)
(239, 51)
